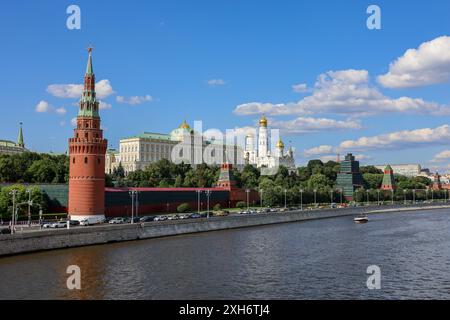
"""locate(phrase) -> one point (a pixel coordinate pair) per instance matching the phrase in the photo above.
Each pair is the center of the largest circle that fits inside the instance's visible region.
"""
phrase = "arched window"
(73, 160)
(85, 160)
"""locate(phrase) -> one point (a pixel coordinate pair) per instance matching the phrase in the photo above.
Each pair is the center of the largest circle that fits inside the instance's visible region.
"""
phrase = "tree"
(318, 181)
(372, 180)
(370, 169)
(241, 204)
(42, 171)
(6, 200)
(184, 207)
(217, 207)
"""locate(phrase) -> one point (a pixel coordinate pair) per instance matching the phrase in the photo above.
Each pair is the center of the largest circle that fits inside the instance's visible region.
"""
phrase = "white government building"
(137, 152)
(408, 170)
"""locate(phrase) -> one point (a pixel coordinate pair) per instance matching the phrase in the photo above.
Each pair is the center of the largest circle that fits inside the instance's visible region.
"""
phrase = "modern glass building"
(349, 178)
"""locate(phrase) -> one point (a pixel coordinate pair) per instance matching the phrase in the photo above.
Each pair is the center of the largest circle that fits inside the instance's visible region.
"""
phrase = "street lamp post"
(301, 199)
(315, 197)
(198, 200)
(137, 203)
(414, 196)
(378, 197)
(29, 206)
(208, 195)
(432, 195)
(404, 194)
(331, 196)
(247, 191)
(132, 195)
(367, 192)
(261, 197)
(392, 198)
(285, 201)
(13, 217)
(341, 195)
(426, 194)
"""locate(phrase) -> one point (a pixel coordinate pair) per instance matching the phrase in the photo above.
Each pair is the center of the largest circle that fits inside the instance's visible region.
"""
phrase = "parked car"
(117, 221)
(173, 217)
(135, 220)
(46, 224)
(195, 216)
(147, 219)
(160, 218)
(221, 213)
(5, 231)
(74, 223)
(59, 224)
(183, 216)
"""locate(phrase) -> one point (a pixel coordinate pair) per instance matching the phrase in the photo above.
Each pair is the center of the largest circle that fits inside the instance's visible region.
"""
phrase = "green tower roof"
(89, 68)
(20, 142)
(88, 104)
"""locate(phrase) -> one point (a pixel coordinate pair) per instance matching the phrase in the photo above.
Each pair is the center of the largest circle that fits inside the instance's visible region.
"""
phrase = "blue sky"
(163, 53)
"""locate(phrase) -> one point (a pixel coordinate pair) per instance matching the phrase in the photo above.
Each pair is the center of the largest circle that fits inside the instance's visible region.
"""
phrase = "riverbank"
(41, 240)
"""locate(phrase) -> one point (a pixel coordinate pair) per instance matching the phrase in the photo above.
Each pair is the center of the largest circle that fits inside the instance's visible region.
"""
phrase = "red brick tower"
(87, 157)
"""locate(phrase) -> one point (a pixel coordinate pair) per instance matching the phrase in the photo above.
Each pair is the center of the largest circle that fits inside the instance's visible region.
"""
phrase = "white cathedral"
(258, 152)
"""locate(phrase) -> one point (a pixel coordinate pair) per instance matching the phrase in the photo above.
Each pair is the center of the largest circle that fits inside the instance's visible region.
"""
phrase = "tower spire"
(20, 142)
(88, 102)
(89, 68)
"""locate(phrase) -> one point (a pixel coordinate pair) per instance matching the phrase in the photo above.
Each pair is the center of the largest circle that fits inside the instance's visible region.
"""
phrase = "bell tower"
(87, 151)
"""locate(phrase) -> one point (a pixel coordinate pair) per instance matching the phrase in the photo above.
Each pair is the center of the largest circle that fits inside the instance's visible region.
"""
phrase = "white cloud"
(320, 150)
(307, 125)
(133, 100)
(216, 82)
(345, 92)
(104, 105)
(390, 141)
(400, 139)
(43, 106)
(300, 88)
(61, 111)
(62, 123)
(441, 156)
(73, 122)
(426, 65)
(103, 89)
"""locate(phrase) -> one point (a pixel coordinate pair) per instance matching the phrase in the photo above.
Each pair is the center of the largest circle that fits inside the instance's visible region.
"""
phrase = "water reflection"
(323, 259)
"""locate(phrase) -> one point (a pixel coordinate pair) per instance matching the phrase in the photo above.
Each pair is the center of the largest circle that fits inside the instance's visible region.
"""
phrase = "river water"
(320, 259)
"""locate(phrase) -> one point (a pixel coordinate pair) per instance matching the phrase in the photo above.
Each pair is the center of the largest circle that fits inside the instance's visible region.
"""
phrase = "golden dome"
(280, 144)
(184, 125)
(263, 121)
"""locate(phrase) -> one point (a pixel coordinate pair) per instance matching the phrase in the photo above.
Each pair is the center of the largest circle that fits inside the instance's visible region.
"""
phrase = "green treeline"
(316, 175)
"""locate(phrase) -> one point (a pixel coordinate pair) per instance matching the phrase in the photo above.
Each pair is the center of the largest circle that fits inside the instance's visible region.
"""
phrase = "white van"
(88, 221)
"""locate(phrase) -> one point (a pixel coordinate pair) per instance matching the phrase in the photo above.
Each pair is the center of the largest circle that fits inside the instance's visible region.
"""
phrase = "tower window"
(98, 160)
(73, 160)
(86, 160)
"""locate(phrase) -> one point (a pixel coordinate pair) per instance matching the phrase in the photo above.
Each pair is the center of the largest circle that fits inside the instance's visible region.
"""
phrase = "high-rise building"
(349, 178)
(388, 179)
(87, 156)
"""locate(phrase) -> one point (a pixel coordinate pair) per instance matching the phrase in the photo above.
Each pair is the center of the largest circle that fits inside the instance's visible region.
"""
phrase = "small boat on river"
(361, 218)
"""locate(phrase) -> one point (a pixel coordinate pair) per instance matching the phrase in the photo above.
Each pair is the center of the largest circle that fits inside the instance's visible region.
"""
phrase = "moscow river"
(320, 259)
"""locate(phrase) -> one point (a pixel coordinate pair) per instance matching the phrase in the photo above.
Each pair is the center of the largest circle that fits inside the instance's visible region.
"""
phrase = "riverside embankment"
(39, 240)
